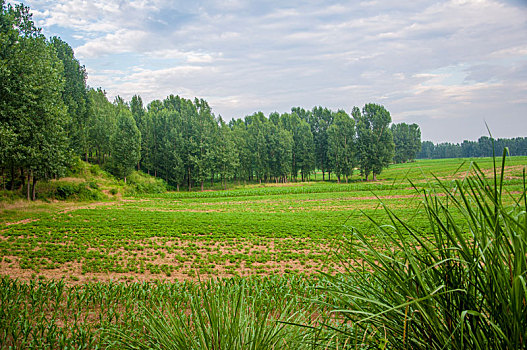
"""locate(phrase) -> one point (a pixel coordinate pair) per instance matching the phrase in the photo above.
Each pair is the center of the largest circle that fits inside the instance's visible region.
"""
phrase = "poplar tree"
(341, 148)
(126, 145)
(375, 147)
(32, 113)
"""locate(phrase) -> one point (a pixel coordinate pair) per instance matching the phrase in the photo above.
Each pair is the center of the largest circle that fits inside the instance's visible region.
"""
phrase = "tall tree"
(31, 108)
(102, 124)
(227, 156)
(75, 97)
(320, 120)
(341, 145)
(375, 147)
(407, 140)
(126, 145)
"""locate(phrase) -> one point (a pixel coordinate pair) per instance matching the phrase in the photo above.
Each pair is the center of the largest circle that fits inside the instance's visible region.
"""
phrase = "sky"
(452, 67)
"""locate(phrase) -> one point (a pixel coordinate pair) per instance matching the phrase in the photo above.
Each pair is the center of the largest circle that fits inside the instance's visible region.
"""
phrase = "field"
(278, 237)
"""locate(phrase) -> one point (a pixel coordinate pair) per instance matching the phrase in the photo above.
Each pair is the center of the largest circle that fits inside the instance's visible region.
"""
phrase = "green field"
(255, 229)
(277, 237)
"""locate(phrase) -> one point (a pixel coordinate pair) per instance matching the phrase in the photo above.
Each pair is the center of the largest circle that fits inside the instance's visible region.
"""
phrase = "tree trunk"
(34, 188)
(338, 178)
(23, 178)
(374, 177)
(323, 175)
(125, 179)
(12, 182)
(28, 185)
(189, 182)
(202, 185)
(177, 186)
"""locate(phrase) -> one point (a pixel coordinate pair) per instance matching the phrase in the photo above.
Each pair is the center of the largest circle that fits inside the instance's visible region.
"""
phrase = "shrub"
(80, 191)
(142, 183)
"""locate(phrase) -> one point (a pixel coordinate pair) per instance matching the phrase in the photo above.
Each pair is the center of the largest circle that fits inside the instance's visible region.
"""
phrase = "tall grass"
(223, 314)
(459, 284)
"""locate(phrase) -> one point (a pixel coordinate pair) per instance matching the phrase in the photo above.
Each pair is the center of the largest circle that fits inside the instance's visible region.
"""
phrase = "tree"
(32, 112)
(407, 140)
(227, 156)
(341, 148)
(126, 145)
(102, 124)
(375, 147)
(75, 97)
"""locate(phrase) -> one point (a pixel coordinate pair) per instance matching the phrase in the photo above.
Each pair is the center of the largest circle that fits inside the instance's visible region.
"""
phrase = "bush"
(141, 183)
(462, 283)
(80, 191)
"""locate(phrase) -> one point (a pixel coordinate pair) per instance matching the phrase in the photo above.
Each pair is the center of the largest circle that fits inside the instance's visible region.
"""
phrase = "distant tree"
(204, 130)
(241, 141)
(257, 144)
(427, 150)
(407, 140)
(303, 153)
(143, 124)
(341, 147)
(469, 149)
(126, 145)
(227, 158)
(320, 119)
(375, 147)
(485, 146)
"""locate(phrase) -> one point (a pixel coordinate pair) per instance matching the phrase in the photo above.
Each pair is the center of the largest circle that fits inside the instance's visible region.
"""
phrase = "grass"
(411, 264)
(461, 283)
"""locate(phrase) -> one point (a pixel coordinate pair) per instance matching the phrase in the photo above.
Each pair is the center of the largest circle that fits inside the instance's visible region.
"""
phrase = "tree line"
(483, 147)
(49, 118)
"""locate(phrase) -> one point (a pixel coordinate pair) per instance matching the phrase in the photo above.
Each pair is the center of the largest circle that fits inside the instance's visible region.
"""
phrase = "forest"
(49, 116)
(483, 147)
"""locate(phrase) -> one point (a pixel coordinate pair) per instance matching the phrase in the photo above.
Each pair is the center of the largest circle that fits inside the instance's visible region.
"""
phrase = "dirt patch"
(91, 206)
(189, 259)
(25, 221)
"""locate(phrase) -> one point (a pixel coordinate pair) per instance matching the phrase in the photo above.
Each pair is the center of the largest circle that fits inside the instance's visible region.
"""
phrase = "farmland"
(254, 229)
(276, 237)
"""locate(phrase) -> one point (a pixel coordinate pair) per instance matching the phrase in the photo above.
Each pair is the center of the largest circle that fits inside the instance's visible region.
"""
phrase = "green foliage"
(341, 145)
(407, 140)
(126, 145)
(375, 147)
(140, 183)
(77, 191)
(32, 113)
(102, 124)
(75, 97)
(463, 287)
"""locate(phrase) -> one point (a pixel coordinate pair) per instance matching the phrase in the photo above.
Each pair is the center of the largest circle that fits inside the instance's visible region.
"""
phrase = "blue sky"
(449, 66)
